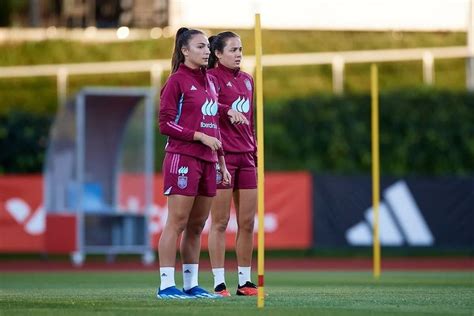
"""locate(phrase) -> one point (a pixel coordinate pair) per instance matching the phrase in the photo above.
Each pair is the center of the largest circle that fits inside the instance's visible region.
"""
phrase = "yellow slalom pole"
(375, 167)
(260, 161)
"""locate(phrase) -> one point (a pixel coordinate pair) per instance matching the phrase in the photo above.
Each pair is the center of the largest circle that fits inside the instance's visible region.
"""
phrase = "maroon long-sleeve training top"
(189, 104)
(235, 89)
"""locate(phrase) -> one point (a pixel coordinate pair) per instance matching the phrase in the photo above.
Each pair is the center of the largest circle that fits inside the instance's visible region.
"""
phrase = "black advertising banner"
(414, 212)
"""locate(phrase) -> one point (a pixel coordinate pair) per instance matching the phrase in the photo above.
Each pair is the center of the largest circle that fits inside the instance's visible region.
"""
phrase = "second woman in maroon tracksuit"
(235, 89)
(188, 116)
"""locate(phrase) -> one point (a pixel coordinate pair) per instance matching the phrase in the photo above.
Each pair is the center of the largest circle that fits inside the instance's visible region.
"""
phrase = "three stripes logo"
(209, 108)
(400, 221)
(241, 105)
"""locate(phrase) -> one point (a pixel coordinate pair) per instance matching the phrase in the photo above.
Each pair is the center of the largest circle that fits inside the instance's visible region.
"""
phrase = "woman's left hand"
(226, 177)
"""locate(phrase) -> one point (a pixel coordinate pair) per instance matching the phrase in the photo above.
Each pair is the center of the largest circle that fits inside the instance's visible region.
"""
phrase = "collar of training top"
(233, 71)
(196, 72)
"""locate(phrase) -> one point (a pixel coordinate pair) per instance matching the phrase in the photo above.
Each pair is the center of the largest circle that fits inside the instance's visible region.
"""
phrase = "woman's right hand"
(236, 117)
(207, 140)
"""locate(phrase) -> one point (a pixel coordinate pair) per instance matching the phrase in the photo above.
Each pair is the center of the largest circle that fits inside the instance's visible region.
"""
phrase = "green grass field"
(289, 293)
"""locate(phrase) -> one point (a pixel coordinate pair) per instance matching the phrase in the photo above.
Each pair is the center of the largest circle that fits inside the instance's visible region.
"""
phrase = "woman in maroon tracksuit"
(235, 89)
(188, 117)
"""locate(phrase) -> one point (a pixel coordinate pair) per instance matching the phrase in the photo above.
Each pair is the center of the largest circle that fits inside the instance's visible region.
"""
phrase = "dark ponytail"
(183, 36)
(218, 43)
(211, 63)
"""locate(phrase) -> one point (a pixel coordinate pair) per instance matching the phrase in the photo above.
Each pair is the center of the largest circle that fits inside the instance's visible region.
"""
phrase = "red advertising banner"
(288, 214)
(22, 218)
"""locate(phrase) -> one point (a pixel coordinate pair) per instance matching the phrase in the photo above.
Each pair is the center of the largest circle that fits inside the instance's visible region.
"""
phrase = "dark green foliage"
(422, 132)
(23, 141)
(5, 9)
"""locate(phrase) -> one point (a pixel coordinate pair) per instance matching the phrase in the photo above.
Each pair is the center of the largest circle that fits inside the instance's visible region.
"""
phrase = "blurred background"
(80, 153)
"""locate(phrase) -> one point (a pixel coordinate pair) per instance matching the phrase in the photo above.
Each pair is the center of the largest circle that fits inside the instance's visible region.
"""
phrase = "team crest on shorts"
(182, 178)
(248, 84)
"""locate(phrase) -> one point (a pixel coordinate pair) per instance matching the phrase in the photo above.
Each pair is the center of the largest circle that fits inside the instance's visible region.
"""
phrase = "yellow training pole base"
(260, 297)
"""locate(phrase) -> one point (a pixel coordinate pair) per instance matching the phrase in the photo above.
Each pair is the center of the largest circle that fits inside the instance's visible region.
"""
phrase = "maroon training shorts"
(190, 176)
(241, 167)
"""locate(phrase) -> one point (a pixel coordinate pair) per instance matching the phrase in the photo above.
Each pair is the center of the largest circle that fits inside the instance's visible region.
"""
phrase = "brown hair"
(218, 43)
(183, 36)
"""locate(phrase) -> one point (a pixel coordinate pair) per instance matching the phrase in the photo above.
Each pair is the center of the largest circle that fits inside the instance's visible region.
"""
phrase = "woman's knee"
(246, 224)
(220, 223)
(177, 224)
(195, 227)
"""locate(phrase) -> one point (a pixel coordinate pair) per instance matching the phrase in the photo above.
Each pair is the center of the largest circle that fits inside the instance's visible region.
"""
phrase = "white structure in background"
(376, 15)
(470, 47)
(430, 15)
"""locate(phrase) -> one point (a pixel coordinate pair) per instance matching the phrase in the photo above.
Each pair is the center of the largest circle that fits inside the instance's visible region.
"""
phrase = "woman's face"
(196, 53)
(232, 54)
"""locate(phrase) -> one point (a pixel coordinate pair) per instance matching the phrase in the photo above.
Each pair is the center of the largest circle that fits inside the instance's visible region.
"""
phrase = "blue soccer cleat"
(199, 292)
(172, 293)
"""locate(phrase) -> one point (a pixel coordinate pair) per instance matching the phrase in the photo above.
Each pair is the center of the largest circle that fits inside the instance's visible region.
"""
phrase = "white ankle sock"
(219, 276)
(166, 277)
(190, 275)
(244, 275)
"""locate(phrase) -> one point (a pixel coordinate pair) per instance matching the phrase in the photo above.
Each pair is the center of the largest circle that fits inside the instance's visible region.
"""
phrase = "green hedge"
(422, 132)
(23, 141)
(39, 94)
